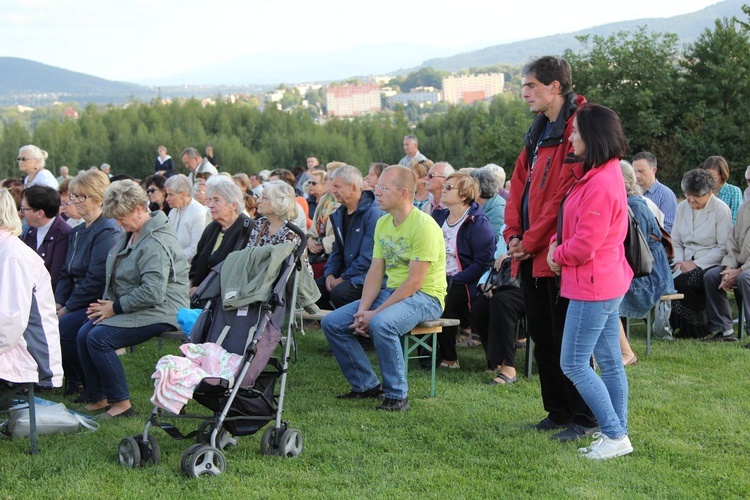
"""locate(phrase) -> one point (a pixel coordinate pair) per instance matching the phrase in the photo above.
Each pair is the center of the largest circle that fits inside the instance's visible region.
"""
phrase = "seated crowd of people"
(121, 256)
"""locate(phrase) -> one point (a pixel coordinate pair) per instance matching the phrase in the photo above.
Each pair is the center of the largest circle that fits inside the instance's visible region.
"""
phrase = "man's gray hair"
(179, 183)
(191, 153)
(350, 175)
(218, 185)
(447, 167)
(412, 138)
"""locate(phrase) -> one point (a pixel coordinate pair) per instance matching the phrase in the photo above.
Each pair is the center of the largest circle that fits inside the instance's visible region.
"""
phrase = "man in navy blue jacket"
(354, 227)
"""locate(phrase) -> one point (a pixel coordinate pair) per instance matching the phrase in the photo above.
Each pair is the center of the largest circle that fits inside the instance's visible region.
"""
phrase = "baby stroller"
(244, 405)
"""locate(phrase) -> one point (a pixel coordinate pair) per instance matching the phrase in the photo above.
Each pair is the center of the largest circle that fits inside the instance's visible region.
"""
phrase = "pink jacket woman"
(591, 251)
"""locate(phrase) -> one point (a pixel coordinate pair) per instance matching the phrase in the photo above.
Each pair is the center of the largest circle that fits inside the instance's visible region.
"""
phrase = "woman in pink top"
(588, 252)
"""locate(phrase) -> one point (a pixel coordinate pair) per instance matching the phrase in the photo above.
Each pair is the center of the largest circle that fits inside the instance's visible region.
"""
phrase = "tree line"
(683, 105)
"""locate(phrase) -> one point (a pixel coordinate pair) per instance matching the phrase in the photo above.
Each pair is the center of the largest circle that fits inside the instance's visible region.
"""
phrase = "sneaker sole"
(615, 454)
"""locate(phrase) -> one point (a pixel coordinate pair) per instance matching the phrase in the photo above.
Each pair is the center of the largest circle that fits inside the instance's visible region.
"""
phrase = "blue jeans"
(386, 329)
(102, 370)
(70, 324)
(594, 327)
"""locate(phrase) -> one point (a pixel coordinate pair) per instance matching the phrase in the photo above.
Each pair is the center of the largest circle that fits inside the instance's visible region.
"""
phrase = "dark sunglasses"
(313, 183)
(151, 190)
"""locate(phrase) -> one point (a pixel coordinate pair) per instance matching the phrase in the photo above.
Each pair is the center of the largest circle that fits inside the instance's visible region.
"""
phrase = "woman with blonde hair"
(469, 246)
(146, 283)
(83, 272)
(420, 169)
(29, 337)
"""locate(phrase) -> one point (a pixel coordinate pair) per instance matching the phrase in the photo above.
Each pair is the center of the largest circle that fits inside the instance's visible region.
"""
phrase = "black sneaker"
(546, 424)
(575, 432)
(375, 392)
(721, 337)
(390, 404)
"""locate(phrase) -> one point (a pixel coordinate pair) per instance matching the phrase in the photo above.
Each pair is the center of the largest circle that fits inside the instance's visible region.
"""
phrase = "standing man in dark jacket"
(354, 228)
(542, 176)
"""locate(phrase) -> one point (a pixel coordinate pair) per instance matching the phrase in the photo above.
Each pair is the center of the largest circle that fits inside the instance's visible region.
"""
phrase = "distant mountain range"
(27, 82)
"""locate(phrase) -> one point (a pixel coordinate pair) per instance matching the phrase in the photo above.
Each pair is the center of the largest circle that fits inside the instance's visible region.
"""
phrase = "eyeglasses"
(380, 187)
(448, 187)
(432, 176)
(23, 158)
(313, 183)
(75, 198)
(24, 209)
(151, 190)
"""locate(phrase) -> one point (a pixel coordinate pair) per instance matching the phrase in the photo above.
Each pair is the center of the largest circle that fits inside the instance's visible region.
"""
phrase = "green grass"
(688, 423)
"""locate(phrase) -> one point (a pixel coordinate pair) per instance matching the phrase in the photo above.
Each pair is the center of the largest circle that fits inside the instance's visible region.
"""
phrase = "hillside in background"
(688, 27)
(31, 83)
(27, 82)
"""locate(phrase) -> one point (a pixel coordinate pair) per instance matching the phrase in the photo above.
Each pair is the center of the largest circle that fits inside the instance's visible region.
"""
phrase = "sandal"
(506, 380)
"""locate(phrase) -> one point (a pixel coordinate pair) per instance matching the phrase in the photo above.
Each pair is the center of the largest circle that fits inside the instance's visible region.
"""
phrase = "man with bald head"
(409, 251)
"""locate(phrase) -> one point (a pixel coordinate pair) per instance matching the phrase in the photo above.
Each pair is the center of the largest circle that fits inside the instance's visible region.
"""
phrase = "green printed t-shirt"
(417, 238)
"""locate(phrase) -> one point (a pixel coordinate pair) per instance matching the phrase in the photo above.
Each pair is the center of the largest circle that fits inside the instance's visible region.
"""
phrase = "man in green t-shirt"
(409, 251)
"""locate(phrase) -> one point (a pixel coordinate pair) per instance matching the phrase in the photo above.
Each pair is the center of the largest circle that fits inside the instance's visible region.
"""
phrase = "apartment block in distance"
(470, 88)
(352, 100)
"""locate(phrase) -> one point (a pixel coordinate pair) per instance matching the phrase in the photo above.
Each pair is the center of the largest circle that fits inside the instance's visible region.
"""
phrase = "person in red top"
(589, 253)
(542, 175)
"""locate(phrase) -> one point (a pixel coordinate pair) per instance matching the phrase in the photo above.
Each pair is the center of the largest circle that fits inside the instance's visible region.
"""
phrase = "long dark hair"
(601, 131)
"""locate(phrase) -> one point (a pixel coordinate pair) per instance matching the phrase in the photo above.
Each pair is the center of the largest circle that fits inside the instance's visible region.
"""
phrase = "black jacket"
(235, 238)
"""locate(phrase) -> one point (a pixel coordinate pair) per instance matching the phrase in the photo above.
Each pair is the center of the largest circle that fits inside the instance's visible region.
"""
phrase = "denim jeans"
(102, 370)
(70, 324)
(386, 329)
(594, 327)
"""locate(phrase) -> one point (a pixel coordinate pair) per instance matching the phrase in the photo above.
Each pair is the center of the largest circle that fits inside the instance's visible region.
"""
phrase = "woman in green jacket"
(147, 282)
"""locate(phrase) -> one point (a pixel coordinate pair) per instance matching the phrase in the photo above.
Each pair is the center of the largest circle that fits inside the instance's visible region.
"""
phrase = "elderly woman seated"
(701, 226)
(188, 217)
(228, 231)
(146, 285)
(276, 205)
(29, 337)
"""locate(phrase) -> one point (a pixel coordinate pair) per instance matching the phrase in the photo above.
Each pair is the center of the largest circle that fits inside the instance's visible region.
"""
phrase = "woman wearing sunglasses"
(156, 190)
(469, 246)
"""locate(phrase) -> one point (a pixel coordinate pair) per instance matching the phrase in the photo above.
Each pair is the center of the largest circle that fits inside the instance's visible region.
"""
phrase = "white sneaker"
(603, 448)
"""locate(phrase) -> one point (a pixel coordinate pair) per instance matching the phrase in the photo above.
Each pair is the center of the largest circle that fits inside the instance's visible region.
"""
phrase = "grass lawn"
(688, 423)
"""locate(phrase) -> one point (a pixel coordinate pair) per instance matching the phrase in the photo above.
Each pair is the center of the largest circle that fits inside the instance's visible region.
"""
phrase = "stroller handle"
(303, 237)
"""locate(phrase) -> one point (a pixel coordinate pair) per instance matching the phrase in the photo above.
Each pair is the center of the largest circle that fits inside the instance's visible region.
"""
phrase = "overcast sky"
(134, 40)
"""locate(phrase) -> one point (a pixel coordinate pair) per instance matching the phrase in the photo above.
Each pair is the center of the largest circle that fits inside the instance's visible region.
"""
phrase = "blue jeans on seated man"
(386, 329)
(594, 327)
(102, 370)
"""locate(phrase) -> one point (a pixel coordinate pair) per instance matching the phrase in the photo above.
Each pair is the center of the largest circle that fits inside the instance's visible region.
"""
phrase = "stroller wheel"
(290, 444)
(267, 441)
(225, 440)
(154, 452)
(187, 456)
(206, 461)
(129, 453)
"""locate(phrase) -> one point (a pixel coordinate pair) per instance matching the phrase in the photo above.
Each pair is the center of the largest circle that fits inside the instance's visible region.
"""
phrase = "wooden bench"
(423, 335)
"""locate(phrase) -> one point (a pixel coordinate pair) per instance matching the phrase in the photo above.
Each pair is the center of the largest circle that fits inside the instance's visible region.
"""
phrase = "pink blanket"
(176, 377)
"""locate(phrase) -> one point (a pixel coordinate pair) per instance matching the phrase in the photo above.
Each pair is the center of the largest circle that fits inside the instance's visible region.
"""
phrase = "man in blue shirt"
(644, 164)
